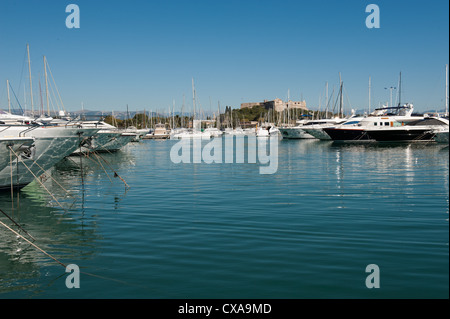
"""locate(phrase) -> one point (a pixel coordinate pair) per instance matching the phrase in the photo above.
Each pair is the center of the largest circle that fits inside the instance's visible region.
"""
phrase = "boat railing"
(29, 129)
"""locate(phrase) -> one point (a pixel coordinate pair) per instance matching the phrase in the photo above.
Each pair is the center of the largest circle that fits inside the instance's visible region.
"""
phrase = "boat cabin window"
(386, 123)
(427, 121)
(375, 123)
(351, 123)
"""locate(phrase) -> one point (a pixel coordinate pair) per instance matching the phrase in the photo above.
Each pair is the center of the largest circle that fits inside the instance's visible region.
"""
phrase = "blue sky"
(145, 53)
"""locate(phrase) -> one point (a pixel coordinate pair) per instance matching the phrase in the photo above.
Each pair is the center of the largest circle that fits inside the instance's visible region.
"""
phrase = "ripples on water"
(225, 231)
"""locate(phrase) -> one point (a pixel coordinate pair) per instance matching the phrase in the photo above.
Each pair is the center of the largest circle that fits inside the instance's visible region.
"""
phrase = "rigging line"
(336, 102)
(21, 73)
(81, 162)
(38, 179)
(56, 87)
(115, 173)
(32, 244)
(17, 224)
(97, 162)
(12, 184)
(348, 99)
(68, 193)
(107, 150)
(56, 100)
(16, 97)
(330, 100)
(50, 71)
(59, 262)
(17, 184)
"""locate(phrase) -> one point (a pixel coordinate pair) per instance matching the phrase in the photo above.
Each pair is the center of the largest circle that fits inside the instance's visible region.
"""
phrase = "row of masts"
(47, 95)
(286, 116)
(446, 90)
(341, 101)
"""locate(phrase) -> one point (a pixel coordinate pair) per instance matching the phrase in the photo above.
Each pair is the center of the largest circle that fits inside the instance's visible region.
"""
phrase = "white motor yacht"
(237, 131)
(266, 131)
(315, 128)
(262, 132)
(192, 134)
(52, 144)
(160, 132)
(381, 117)
(422, 130)
(295, 132)
(213, 132)
(17, 144)
(108, 138)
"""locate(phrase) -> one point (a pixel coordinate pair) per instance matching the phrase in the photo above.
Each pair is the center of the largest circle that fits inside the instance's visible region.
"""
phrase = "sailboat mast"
(287, 106)
(25, 99)
(218, 117)
(193, 101)
(40, 94)
(400, 90)
(46, 86)
(182, 111)
(446, 90)
(31, 83)
(341, 99)
(173, 114)
(231, 114)
(326, 90)
(9, 100)
(369, 94)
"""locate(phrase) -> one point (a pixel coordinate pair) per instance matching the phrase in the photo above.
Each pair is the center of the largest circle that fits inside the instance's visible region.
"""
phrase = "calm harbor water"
(226, 231)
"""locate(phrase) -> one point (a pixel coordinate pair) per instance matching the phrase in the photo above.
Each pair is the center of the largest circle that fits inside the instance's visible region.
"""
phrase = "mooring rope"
(11, 169)
(96, 162)
(16, 224)
(56, 260)
(115, 173)
(42, 169)
(38, 180)
(31, 243)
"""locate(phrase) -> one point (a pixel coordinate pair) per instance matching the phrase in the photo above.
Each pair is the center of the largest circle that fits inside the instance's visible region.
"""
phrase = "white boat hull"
(51, 145)
(294, 133)
(17, 144)
(441, 137)
(317, 132)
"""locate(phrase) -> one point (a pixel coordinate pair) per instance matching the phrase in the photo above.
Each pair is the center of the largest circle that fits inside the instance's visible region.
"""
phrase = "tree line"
(229, 118)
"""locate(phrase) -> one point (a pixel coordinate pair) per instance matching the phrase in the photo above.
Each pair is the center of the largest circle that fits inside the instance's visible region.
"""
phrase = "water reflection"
(62, 236)
(69, 233)
(328, 207)
(348, 169)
